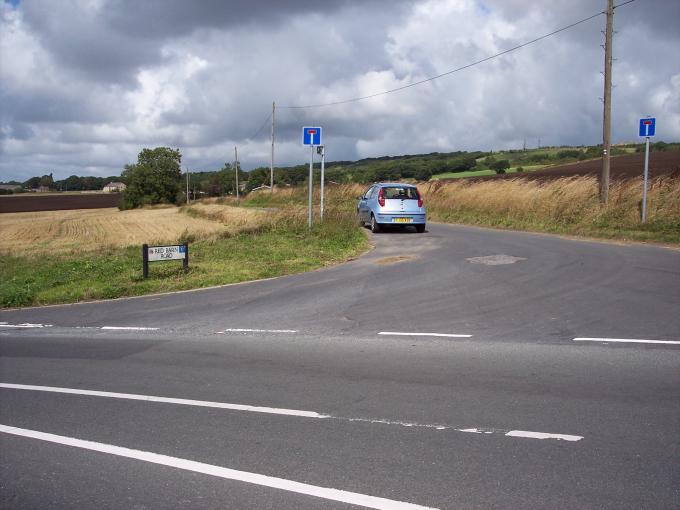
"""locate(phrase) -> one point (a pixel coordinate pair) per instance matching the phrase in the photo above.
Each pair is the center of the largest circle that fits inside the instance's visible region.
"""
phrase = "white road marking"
(245, 330)
(542, 435)
(627, 341)
(281, 411)
(129, 328)
(352, 498)
(166, 400)
(24, 325)
(401, 333)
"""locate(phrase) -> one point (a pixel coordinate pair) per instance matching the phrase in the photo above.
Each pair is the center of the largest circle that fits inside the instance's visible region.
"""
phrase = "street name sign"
(311, 135)
(647, 126)
(164, 253)
(177, 252)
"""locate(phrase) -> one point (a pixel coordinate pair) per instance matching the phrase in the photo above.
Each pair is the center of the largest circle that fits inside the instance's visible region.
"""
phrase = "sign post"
(321, 149)
(647, 129)
(311, 136)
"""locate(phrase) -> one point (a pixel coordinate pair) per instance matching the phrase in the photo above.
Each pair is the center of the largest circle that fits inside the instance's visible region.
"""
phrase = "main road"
(461, 368)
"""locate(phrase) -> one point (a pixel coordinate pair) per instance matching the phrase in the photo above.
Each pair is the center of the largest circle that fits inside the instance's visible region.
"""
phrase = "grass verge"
(283, 246)
(562, 206)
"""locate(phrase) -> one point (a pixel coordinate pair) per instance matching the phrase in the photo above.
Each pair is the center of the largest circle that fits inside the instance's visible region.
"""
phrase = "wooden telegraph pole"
(606, 128)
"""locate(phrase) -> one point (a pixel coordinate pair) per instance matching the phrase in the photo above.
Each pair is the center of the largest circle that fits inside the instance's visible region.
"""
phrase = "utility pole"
(271, 167)
(606, 128)
(188, 200)
(236, 169)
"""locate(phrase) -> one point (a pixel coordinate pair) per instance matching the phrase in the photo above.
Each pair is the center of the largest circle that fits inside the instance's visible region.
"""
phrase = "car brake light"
(420, 199)
(381, 198)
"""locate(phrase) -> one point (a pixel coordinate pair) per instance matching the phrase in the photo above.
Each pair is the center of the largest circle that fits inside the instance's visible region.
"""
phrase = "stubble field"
(90, 230)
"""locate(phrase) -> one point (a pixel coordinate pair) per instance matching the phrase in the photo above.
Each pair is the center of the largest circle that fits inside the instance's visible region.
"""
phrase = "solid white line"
(166, 400)
(627, 340)
(244, 330)
(399, 333)
(129, 328)
(351, 498)
(542, 435)
(280, 411)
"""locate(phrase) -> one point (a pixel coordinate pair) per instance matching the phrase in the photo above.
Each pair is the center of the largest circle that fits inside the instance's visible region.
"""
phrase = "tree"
(500, 166)
(47, 181)
(155, 179)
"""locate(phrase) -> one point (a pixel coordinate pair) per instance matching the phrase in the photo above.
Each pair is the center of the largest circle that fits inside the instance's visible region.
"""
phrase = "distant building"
(10, 187)
(114, 187)
(42, 189)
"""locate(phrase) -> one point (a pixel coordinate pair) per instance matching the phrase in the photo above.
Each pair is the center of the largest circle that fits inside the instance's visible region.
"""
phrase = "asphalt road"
(461, 368)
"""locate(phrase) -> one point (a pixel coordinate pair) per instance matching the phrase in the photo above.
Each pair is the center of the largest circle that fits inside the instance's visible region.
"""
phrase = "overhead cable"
(432, 78)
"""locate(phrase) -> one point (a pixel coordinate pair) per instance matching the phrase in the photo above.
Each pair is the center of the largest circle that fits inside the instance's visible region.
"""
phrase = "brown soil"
(629, 166)
(34, 202)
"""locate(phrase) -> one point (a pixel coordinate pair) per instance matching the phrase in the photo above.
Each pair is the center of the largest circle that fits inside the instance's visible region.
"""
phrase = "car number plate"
(402, 220)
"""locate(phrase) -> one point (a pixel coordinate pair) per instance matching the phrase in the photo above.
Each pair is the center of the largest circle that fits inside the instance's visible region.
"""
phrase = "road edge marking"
(352, 498)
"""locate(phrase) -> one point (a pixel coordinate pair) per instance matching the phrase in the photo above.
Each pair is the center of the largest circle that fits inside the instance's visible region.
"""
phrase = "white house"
(114, 187)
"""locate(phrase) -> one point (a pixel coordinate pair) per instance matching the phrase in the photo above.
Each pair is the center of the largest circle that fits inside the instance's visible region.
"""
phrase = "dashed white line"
(286, 412)
(401, 333)
(542, 435)
(352, 498)
(627, 341)
(24, 325)
(246, 330)
(129, 328)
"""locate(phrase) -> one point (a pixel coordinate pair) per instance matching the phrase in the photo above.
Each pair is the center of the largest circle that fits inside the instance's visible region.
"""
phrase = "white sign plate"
(167, 253)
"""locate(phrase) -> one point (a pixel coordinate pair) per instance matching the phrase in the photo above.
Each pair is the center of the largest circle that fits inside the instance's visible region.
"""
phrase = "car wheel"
(420, 228)
(375, 227)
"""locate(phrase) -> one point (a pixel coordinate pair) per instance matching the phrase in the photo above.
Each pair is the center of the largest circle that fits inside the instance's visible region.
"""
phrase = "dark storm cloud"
(88, 83)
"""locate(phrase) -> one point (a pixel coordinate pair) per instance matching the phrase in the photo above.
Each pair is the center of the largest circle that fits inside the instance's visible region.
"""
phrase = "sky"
(85, 85)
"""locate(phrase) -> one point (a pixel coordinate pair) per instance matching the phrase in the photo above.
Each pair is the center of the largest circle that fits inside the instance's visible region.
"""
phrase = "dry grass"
(563, 205)
(234, 219)
(90, 230)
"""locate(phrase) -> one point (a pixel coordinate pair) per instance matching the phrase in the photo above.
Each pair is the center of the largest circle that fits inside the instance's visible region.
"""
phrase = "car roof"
(394, 184)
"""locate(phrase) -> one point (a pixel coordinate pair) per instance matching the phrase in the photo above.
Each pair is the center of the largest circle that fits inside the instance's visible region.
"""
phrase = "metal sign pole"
(311, 175)
(323, 161)
(644, 182)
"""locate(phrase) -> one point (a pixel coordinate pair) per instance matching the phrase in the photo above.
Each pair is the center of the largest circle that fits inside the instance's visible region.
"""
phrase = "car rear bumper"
(401, 218)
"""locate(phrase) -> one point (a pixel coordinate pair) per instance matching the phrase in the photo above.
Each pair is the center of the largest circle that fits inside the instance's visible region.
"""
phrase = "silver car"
(388, 203)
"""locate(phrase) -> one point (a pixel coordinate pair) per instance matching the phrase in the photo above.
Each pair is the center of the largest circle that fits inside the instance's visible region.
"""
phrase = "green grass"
(481, 173)
(280, 250)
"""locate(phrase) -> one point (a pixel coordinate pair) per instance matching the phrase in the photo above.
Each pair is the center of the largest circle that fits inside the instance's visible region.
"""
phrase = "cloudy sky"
(86, 84)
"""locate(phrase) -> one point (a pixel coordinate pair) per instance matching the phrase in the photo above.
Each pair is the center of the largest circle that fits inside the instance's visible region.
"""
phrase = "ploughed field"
(30, 202)
(629, 166)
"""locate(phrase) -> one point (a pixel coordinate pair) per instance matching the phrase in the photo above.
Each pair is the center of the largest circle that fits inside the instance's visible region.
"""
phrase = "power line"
(432, 78)
(261, 127)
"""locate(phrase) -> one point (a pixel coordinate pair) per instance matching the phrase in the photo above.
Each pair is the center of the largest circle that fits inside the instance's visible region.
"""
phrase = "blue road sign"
(647, 126)
(311, 136)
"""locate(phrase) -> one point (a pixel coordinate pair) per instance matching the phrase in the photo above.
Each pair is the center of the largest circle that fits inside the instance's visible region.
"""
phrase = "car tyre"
(375, 227)
(420, 228)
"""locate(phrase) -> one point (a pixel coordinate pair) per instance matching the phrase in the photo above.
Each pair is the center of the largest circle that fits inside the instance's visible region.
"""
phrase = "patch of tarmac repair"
(386, 261)
(495, 260)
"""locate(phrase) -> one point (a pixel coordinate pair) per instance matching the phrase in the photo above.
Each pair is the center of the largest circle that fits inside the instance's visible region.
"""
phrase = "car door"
(364, 205)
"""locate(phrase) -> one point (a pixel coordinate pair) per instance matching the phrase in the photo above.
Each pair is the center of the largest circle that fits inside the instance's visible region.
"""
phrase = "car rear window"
(401, 192)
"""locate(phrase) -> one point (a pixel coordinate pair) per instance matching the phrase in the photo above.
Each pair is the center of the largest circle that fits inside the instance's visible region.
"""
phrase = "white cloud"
(84, 86)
